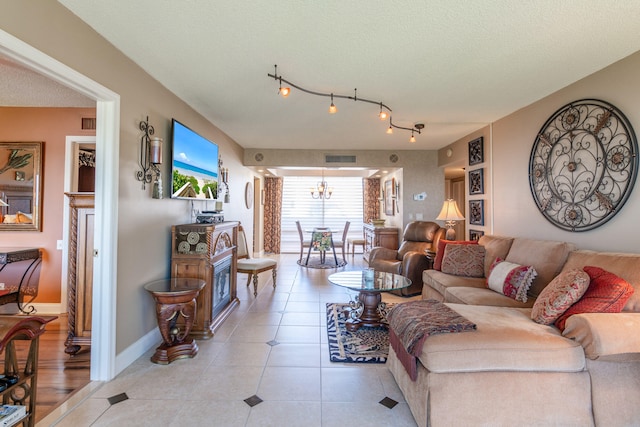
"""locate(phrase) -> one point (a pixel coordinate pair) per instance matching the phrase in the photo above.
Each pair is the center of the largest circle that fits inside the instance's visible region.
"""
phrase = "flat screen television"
(194, 171)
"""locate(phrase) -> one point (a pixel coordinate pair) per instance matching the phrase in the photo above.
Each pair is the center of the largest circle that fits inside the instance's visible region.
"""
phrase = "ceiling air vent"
(88, 123)
(339, 159)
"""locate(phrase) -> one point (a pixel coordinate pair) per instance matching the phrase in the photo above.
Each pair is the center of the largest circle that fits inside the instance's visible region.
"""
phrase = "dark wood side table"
(175, 298)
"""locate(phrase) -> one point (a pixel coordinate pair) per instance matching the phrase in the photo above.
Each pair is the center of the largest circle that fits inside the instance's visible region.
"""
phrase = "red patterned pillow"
(463, 260)
(512, 280)
(560, 294)
(607, 293)
(442, 243)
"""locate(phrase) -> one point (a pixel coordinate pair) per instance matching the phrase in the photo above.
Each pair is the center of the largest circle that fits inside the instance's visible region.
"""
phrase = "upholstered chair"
(410, 259)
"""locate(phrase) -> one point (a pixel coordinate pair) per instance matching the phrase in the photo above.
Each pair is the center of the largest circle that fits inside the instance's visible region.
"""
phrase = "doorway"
(103, 360)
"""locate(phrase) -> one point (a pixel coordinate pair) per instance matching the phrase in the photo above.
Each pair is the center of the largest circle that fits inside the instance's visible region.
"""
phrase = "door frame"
(103, 335)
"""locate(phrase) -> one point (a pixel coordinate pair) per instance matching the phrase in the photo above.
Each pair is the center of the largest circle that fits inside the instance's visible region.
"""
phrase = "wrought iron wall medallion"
(583, 165)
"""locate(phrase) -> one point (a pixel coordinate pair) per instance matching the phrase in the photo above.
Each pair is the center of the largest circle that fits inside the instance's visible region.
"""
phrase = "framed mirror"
(20, 180)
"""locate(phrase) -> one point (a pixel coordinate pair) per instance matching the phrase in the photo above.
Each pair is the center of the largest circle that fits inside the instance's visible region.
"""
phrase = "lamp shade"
(450, 211)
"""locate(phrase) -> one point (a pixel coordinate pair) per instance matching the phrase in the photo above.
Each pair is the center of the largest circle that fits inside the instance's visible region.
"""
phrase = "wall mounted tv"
(194, 161)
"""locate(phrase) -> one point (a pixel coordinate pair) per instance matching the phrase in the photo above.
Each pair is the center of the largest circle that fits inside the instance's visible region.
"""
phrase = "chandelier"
(321, 190)
(385, 110)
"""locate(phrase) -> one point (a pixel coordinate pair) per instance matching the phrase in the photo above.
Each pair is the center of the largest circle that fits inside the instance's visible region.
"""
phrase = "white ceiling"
(453, 66)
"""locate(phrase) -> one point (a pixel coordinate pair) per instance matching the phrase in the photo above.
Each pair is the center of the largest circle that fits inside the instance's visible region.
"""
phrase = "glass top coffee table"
(369, 309)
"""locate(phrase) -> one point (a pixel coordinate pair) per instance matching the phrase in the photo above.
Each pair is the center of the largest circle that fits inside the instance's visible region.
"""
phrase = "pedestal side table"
(175, 298)
(368, 309)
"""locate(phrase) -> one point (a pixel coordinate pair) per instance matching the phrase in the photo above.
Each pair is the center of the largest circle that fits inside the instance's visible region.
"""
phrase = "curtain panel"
(371, 208)
(272, 214)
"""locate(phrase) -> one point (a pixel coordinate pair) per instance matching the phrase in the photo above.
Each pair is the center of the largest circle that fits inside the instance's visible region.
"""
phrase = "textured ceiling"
(21, 87)
(453, 66)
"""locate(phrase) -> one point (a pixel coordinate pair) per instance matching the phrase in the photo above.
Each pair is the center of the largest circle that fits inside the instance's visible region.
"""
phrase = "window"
(344, 205)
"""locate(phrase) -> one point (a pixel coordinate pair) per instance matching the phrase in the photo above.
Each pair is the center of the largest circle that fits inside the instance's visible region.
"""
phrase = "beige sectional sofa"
(513, 371)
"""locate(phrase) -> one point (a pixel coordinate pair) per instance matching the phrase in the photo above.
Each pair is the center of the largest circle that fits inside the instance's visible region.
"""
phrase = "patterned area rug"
(366, 345)
(329, 262)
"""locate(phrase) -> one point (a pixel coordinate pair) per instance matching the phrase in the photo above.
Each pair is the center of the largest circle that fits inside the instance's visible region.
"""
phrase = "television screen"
(194, 164)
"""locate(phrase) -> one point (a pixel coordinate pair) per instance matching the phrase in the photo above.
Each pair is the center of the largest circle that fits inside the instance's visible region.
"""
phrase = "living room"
(134, 239)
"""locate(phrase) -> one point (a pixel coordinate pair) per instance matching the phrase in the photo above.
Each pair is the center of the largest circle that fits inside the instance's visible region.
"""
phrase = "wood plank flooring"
(59, 375)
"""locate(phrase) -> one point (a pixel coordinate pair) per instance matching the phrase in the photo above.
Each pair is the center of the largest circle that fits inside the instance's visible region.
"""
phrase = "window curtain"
(371, 203)
(272, 214)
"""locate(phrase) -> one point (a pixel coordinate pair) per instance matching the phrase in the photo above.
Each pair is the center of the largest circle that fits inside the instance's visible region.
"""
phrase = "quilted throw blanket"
(412, 322)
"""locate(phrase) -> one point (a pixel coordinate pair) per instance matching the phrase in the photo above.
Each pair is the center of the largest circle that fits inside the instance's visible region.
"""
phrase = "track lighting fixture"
(385, 110)
(332, 107)
(383, 114)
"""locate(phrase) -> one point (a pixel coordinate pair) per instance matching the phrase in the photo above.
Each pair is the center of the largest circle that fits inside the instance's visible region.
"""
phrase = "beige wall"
(143, 223)
(509, 203)
(52, 126)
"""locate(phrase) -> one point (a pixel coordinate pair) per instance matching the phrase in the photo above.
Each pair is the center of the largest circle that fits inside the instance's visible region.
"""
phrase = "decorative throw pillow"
(10, 219)
(23, 218)
(442, 243)
(463, 260)
(560, 294)
(512, 280)
(607, 293)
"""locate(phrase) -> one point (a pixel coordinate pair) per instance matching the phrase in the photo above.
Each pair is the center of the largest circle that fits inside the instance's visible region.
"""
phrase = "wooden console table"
(387, 237)
(19, 276)
(23, 392)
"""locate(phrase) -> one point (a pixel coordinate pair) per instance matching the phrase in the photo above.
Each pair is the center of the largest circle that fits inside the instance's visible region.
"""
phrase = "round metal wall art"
(583, 165)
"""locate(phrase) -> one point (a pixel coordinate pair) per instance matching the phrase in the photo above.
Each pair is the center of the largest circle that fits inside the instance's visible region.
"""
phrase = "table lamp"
(450, 214)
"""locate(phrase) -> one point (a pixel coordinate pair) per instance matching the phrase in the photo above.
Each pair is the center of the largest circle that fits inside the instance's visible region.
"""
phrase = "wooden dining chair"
(253, 266)
(342, 243)
(304, 244)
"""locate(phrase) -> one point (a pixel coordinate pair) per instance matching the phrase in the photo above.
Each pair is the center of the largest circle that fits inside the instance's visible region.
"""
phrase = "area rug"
(366, 345)
(329, 262)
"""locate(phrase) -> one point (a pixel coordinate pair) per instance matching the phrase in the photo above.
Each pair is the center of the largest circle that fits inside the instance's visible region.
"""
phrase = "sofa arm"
(605, 334)
(382, 253)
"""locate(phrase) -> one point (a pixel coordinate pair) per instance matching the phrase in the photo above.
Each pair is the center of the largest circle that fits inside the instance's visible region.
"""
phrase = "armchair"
(410, 259)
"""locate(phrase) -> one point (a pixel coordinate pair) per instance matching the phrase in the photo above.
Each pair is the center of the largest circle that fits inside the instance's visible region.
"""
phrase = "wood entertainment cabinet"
(387, 237)
(208, 252)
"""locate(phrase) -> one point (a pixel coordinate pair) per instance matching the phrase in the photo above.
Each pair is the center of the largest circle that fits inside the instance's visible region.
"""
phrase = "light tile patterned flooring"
(297, 383)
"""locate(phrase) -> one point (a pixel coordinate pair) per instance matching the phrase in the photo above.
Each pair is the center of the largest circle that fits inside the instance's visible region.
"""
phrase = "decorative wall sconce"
(285, 91)
(224, 178)
(150, 158)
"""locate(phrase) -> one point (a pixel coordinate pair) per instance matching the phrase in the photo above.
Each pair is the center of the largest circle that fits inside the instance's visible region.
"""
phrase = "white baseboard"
(137, 349)
(41, 309)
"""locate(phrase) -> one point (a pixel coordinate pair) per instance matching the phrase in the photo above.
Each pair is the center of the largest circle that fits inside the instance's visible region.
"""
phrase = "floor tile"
(287, 383)
(294, 377)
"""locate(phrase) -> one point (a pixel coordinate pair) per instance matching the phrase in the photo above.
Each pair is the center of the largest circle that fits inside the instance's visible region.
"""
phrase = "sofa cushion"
(440, 281)
(506, 339)
(607, 293)
(546, 256)
(495, 247)
(510, 279)
(563, 291)
(620, 264)
(605, 335)
(463, 260)
(482, 296)
(437, 262)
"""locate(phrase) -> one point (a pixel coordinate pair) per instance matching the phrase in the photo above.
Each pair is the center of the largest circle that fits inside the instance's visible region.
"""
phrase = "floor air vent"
(339, 159)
